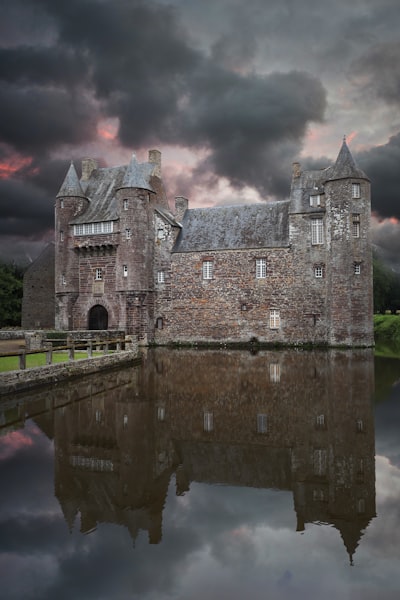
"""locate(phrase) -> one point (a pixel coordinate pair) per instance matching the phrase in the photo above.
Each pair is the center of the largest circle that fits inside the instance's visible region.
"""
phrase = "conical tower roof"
(345, 166)
(138, 175)
(71, 185)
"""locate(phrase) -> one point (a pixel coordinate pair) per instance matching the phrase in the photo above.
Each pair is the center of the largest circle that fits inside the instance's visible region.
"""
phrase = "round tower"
(70, 202)
(348, 236)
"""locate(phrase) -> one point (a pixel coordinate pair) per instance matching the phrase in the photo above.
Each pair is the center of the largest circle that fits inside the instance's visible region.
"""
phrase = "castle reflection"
(299, 421)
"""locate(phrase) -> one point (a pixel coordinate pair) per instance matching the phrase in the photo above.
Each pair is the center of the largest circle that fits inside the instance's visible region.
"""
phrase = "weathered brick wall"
(38, 302)
(234, 306)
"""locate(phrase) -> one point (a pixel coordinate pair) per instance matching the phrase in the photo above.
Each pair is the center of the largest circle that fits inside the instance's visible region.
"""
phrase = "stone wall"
(38, 302)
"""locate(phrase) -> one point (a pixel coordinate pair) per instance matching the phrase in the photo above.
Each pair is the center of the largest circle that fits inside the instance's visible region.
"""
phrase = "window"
(128, 234)
(161, 413)
(160, 233)
(274, 319)
(261, 268)
(63, 280)
(98, 275)
(159, 323)
(320, 422)
(126, 204)
(320, 462)
(357, 268)
(355, 190)
(208, 421)
(318, 271)
(99, 416)
(262, 423)
(360, 425)
(207, 269)
(361, 506)
(93, 228)
(317, 231)
(125, 421)
(275, 372)
(160, 277)
(61, 236)
(356, 226)
(315, 200)
(125, 270)
(61, 203)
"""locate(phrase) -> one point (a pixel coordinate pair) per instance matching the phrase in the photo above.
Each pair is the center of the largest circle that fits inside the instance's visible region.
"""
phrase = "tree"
(10, 295)
(386, 287)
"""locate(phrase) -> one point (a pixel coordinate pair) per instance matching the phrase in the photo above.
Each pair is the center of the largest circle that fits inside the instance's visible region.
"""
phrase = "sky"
(231, 92)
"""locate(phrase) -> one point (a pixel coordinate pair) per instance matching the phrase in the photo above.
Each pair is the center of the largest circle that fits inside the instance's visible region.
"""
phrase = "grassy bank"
(11, 363)
(387, 335)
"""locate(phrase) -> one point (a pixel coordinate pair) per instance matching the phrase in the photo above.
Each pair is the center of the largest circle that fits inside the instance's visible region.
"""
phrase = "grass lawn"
(11, 363)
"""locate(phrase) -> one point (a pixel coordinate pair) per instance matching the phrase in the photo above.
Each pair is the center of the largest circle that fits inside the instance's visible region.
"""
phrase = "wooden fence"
(71, 347)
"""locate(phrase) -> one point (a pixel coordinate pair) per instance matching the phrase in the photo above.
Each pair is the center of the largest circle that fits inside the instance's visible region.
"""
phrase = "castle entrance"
(98, 317)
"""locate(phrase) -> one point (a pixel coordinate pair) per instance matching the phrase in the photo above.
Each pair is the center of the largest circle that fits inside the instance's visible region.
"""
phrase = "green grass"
(11, 363)
(387, 335)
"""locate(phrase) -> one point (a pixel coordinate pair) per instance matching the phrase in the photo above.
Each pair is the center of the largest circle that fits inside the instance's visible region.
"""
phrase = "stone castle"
(297, 271)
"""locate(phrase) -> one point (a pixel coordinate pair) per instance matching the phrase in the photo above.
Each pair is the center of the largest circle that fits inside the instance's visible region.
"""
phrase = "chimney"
(181, 205)
(296, 171)
(155, 159)
(88, 166)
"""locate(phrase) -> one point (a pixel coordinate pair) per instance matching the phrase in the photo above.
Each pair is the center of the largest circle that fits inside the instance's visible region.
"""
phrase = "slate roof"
(263, 225)
(71, 185)
(100, 190)
(345, 166)
(138, 175)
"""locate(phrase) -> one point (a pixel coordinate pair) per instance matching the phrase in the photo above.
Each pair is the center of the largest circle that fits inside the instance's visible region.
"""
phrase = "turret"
(70, 202)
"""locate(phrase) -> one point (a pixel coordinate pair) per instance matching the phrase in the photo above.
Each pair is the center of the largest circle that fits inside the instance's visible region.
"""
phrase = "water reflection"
(299, 421)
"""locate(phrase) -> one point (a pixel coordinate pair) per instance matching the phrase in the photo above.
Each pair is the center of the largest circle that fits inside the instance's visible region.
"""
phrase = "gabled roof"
(71, 185)
(344, 166)
(263, 225)
(167, 215)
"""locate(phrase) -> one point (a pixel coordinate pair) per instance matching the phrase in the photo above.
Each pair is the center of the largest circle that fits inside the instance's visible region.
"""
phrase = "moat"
(206, 474)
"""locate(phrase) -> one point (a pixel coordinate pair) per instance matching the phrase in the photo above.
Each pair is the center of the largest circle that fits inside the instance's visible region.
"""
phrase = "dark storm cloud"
(24, 208)
(252, 125)
(381, 164)
(377, 72)
(35, 120)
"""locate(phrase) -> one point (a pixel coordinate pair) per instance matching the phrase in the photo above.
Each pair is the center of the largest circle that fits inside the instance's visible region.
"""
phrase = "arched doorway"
(98, 317)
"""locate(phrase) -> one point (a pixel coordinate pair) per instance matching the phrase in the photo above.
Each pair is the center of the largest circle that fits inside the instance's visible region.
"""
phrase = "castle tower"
(329, 234)
(134, 280)
(70, 202)
(348, 235)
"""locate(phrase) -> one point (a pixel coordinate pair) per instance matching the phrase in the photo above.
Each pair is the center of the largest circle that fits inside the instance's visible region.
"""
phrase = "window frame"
(274, 318)
(207, 270)
(261, 268)
(356, 191)
(317, 231)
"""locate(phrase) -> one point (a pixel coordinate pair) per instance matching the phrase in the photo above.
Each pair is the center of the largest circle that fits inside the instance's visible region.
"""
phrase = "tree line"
(386, 291)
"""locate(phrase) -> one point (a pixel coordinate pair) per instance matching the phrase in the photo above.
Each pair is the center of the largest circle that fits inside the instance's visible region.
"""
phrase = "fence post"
(90, 349)
(71, 351)
(22, 360)
(49, 356)
(105, 349)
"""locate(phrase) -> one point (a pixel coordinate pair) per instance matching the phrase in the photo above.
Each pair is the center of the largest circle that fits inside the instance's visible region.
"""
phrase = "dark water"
(203, 475)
